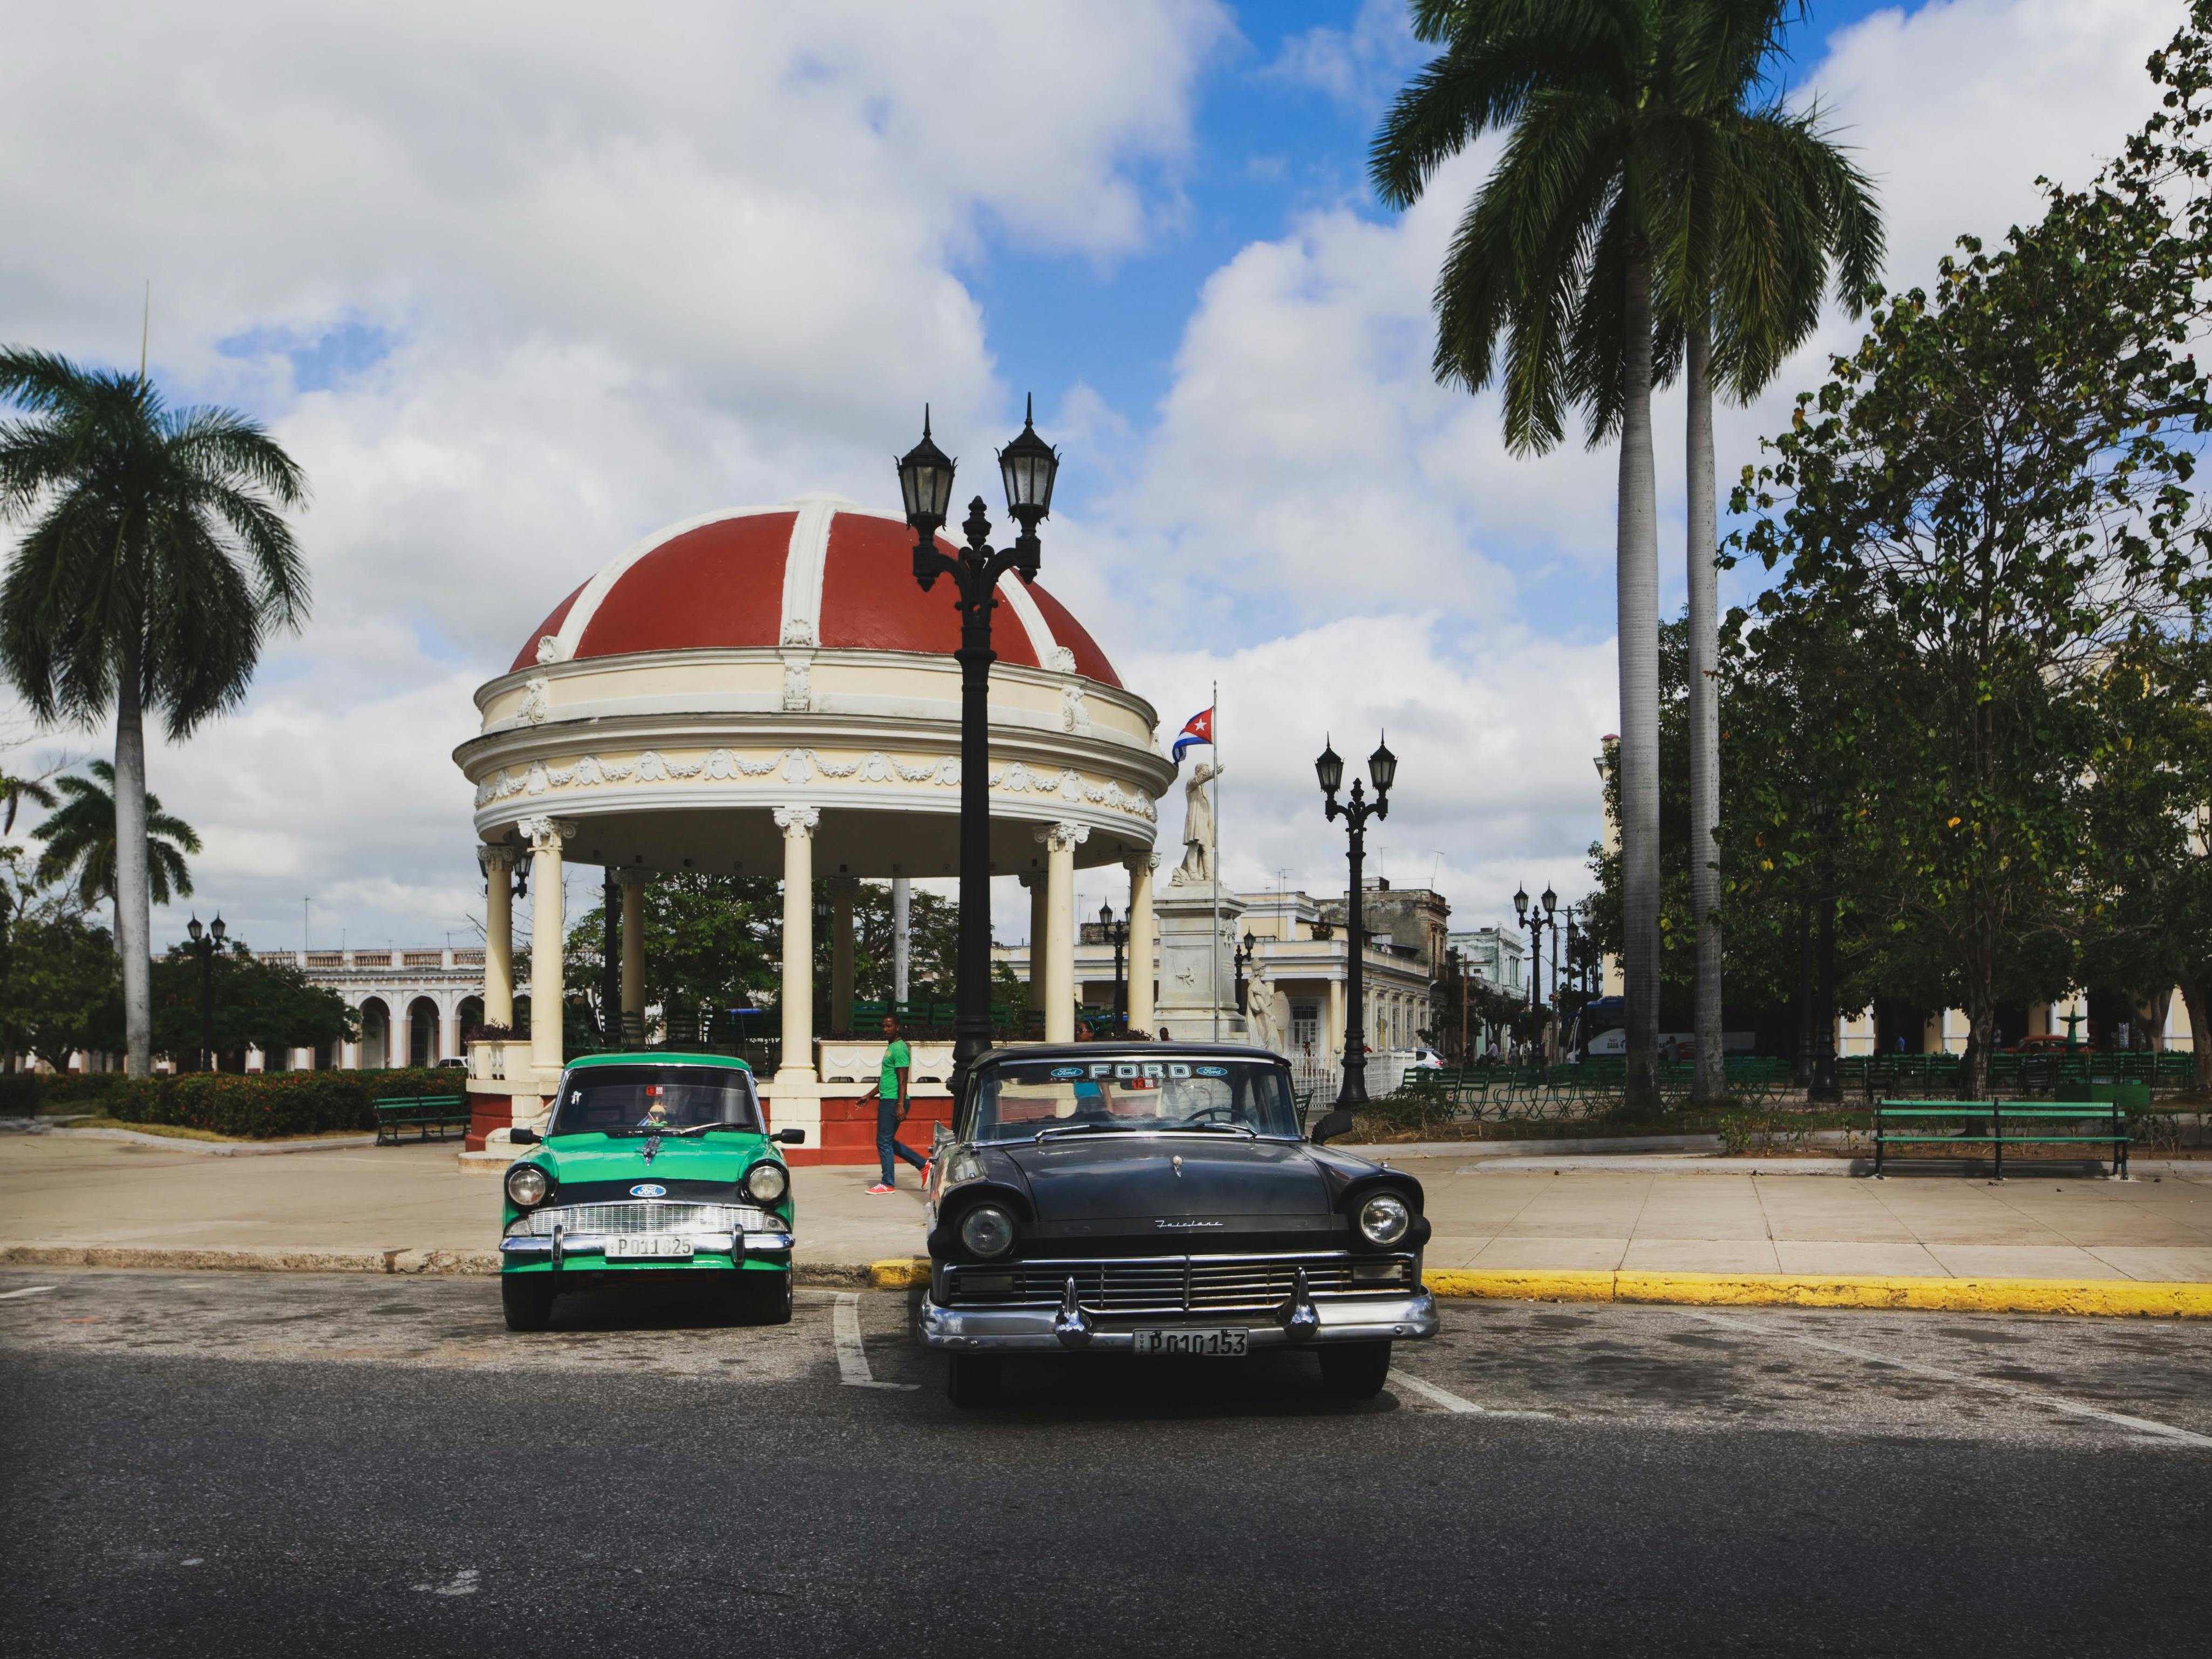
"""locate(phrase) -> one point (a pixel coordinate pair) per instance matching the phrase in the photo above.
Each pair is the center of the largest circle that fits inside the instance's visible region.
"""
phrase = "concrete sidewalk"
(60, 1191)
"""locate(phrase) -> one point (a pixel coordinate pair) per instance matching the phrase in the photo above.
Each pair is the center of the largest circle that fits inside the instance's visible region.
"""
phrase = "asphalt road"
(205, 1464)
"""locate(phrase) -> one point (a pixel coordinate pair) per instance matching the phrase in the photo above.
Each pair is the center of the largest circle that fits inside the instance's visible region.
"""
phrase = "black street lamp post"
(1383, 766)
(206, 941)
(1117, 935)
(1028, 466)
(1242, 959)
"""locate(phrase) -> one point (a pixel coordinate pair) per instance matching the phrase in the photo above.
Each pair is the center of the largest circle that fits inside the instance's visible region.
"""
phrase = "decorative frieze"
(805, 766)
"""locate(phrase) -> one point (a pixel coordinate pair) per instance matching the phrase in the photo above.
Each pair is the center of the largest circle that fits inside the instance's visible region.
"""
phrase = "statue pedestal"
(1197, 1000)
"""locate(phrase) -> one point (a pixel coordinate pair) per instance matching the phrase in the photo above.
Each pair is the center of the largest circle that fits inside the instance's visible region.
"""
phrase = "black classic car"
(1159, 1200)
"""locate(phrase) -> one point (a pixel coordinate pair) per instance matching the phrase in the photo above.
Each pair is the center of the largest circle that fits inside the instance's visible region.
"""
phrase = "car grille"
(643, 1218)
(1188, 1284)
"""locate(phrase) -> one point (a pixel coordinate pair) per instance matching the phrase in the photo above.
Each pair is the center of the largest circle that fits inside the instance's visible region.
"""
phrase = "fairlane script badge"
(1160, 1222)
(648, 1190)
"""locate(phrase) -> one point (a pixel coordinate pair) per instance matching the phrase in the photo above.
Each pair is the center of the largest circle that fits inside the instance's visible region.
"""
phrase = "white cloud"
(627, 267)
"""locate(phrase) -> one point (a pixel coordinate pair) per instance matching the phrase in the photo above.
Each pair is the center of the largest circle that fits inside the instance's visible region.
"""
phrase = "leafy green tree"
(80, 842)
(60, 988)
(15, 791)
(260, 1003)
(1991, 494)
(154, 564)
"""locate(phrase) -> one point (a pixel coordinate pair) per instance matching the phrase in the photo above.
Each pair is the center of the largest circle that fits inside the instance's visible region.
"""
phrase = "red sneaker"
(880, 1187)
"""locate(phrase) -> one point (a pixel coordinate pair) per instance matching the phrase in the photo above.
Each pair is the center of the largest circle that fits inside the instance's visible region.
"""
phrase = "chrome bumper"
(527, 1247)
(1049, 1330)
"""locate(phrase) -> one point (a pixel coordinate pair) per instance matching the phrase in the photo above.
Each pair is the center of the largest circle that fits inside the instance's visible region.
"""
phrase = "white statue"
(1197, 867)
(1267, 1017)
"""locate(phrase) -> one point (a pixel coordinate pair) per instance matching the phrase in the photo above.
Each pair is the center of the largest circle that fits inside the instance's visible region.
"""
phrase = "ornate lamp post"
(1117, 935)
(206, 941)
(1028, 466)
(1242, 959)
(1383, 766)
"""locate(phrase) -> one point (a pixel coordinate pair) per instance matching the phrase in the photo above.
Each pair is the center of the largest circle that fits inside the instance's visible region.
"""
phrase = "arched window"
(375, 1035)
(423, 1044)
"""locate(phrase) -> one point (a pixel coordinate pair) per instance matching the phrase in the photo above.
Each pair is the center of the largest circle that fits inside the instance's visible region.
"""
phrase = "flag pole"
(1213, 861)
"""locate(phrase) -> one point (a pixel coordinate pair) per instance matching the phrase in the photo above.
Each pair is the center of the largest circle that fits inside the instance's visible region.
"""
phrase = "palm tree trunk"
(1636, 555)
(1709, 1086)
(134, 925)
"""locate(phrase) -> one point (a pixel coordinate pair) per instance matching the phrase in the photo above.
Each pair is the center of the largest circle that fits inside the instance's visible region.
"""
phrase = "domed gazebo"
(768, 691)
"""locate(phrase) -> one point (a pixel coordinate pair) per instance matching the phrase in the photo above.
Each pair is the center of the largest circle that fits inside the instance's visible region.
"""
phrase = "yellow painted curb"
(899, 1272)
(2124, 1297)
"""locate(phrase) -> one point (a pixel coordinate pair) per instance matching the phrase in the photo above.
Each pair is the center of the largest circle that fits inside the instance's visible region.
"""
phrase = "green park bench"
(2006, 1123)
(422, 1113)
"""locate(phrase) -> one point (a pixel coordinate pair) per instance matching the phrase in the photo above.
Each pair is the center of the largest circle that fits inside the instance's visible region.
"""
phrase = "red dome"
(818, 570)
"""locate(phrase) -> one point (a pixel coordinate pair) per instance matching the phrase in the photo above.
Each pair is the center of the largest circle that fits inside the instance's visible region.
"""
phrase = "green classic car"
(649, 1163)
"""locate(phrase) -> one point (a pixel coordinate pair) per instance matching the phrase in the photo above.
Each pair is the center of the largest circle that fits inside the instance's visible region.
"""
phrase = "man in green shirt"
(892, 1104)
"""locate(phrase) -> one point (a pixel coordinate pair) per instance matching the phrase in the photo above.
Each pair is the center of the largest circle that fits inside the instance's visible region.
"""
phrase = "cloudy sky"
(517, 284)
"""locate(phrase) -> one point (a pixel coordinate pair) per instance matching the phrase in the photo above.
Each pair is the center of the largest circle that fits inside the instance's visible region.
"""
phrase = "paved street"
(264, 1463)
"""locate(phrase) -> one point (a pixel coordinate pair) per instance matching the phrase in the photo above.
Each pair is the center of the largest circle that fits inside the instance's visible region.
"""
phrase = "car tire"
(760, 1299)
(527, 1302)
(972, 1381)
(1354, 1370)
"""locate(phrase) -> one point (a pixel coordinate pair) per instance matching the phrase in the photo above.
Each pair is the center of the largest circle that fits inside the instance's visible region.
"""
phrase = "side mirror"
(1332, 1124)
(791, 1137)
(524, 1137)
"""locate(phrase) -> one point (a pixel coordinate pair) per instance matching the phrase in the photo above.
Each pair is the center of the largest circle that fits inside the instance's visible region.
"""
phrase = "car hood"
(1162, 1178)
(590, 1160)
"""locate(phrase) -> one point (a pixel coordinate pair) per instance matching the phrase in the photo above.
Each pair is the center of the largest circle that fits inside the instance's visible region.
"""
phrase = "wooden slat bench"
(421, 1112)
(2007, 1124)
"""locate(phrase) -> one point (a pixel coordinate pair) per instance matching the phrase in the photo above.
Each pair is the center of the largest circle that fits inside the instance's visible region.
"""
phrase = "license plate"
(1196, 1345)
(647, 1244)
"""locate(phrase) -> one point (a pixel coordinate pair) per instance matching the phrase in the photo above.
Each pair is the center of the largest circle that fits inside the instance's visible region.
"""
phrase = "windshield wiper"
(1091, 1128)
(702, 1128)
(1244, 1129)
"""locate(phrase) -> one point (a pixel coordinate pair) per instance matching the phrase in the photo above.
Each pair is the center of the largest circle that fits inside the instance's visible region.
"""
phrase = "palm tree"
(1554, 258)
(80, 840)
(154, 564)
(1764, 203)
(15, 791)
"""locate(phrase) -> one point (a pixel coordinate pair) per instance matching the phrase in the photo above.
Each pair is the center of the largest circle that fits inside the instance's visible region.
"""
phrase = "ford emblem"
(648, 1190)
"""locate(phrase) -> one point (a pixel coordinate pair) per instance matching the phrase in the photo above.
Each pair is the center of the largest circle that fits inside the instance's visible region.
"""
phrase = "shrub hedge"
(259, 1107)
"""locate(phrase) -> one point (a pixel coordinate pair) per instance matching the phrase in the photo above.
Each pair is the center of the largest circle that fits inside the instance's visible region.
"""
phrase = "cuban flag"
(1198, 728)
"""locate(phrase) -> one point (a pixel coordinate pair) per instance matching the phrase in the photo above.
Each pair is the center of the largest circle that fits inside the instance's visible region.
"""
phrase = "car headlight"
(526, 1185)
(767, 1181)
(987, 1230)
(1384, 1219)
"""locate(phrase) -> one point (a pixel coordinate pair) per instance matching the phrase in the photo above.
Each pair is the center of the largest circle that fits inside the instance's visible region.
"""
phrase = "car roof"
(660, 1057)
(1128, 1051)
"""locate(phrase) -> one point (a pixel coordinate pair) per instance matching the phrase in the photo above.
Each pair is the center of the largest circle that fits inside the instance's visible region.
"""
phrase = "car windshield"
(1019, 1099)
(618, 1100)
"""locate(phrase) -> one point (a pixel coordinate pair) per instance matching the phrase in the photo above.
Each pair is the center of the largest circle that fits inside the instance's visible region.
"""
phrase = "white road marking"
(1937, 1373)
(852, 1356)
(1452, 1402)
(464, 1583)
(34, 1290)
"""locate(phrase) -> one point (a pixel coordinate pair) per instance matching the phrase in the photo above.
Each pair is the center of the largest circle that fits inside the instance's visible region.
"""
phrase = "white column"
(840, 953)
(549, 938)
(498, 864)
(797, 823)
(1061, 842)
(632, 941)
(902, 935)
(1040, 923)
(1143, 940)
